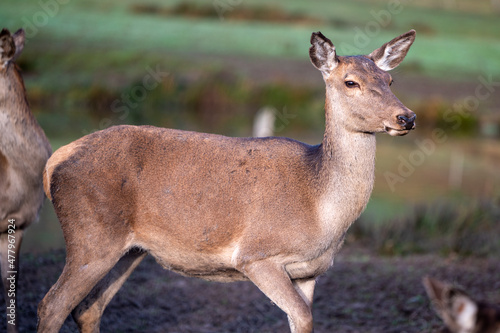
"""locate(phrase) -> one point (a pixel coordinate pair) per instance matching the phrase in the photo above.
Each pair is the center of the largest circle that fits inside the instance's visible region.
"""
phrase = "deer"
(270, 210)
(460, 312)
(24, 150)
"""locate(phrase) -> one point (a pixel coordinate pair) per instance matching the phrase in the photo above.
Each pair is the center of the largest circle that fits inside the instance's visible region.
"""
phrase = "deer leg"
(305, 288)
(10, 248)
(274, 282)
(83, 270)
(89, 312)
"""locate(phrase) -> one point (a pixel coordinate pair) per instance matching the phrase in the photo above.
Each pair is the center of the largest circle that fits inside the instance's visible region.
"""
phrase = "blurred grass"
(448, 227)
(452, 42)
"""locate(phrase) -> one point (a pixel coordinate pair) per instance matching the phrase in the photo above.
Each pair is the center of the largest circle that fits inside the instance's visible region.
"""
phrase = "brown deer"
(24, 150)
(270, 210)
(459, 311)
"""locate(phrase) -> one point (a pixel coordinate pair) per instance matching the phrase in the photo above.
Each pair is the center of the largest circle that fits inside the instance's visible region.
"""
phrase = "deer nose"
(407, 123)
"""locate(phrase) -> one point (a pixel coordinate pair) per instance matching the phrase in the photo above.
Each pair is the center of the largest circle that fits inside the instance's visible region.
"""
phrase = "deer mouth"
(396, 132)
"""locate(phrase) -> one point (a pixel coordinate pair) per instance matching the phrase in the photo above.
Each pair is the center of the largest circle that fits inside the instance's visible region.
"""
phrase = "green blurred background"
(211, 65)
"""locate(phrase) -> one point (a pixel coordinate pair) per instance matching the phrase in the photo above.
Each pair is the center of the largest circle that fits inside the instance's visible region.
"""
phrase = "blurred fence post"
(457, 160)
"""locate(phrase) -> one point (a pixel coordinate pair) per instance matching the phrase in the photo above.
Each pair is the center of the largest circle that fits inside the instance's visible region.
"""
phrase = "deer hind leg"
(9, 264)
(89, 312)
(85, 267)
(274, 282)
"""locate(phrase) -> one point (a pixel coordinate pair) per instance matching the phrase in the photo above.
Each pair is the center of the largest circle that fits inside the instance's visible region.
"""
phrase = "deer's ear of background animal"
(434, 288)
(7, 46)
(19, 39)
(322, 53)
(391, 54)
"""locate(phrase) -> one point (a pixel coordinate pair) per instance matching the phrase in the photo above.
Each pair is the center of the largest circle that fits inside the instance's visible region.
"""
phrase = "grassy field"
(223, 60)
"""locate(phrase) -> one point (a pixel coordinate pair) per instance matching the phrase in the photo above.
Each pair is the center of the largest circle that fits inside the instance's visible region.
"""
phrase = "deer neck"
(346, 170)
(16, 119)
(12, 93)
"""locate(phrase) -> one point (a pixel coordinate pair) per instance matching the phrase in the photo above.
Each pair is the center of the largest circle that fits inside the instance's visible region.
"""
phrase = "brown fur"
(24, 149)
(270, 210)
(4, 166)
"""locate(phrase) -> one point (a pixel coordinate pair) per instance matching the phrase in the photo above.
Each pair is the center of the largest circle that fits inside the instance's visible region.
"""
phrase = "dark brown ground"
(361, 293)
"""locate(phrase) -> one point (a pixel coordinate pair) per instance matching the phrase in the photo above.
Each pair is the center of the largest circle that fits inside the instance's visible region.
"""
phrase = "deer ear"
(434, 289)
(391, 54)
(7, 47)
(19, 39)
(322, 53)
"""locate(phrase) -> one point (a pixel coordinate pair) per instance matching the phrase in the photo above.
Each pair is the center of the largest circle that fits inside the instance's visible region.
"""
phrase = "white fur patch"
(466, 311)
(234, 256)
(385, 62)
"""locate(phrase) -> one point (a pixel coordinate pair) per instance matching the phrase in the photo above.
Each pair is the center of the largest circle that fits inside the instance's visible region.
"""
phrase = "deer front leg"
(272, 279)
(10, 248)
(89, 312)
(305, 288)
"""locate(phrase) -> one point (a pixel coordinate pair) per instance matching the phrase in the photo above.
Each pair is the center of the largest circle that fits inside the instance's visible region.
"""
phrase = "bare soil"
(363, 292)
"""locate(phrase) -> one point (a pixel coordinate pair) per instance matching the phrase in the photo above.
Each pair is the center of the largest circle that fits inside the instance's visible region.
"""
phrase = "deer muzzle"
(402, 125)
(407, 123)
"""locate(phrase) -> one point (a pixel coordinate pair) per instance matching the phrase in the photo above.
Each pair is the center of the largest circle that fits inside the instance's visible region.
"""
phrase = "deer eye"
(351, 84)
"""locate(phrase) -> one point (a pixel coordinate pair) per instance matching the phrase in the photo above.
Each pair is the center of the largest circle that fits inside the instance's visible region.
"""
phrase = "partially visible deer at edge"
(24, 150)
(270, 210)
(460, 312)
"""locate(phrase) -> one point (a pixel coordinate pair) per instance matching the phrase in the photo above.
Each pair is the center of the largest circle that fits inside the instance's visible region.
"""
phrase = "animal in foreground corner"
(270, 210)
(24, 149)
(460, 312)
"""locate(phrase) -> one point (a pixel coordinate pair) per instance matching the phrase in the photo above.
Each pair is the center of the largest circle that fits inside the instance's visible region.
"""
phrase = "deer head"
(360, 85)
(11, 46)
